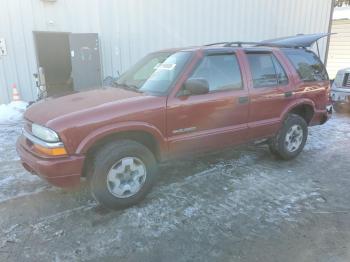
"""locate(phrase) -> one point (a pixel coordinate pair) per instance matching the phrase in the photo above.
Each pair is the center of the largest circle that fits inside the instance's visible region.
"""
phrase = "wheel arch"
(304, 108)
(146, 135)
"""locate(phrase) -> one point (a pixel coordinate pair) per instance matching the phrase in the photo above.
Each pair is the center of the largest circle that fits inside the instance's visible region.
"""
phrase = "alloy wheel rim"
(294, 138)
(126, 177)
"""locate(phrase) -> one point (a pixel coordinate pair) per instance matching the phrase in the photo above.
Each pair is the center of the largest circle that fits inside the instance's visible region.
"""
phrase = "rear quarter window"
(308, 65)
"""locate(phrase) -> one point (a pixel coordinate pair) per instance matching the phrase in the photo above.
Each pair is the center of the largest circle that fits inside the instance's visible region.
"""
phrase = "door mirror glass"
(196, 86)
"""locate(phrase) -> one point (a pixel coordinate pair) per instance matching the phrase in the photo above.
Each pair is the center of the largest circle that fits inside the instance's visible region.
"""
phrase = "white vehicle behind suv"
(340, 92)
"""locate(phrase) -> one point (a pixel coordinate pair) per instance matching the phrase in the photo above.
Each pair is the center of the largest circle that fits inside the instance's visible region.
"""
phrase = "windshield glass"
(154, 73)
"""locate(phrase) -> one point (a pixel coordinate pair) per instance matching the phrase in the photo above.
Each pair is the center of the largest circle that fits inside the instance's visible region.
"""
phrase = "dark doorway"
(67, 62)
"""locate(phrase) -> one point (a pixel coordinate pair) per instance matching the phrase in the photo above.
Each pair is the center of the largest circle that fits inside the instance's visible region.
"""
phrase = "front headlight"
(44, 133)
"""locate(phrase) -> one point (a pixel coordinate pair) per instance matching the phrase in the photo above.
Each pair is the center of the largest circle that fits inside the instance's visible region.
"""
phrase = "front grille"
(346, 81)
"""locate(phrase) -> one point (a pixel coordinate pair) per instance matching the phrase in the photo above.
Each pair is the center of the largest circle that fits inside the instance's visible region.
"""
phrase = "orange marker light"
(57, 151)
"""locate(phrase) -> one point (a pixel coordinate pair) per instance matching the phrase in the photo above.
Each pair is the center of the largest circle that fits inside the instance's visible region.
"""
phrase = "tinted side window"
(280, 73)
(266, 70)
(221, 71)
(308, 66)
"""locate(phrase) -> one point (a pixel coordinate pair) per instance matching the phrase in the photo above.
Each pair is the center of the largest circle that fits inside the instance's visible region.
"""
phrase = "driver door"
(215, 119)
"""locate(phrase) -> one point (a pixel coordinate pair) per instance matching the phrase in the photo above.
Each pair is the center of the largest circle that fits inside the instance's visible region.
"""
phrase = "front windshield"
(154, 73)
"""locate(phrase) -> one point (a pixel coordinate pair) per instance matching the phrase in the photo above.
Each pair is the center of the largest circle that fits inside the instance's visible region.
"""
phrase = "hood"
(52, 108)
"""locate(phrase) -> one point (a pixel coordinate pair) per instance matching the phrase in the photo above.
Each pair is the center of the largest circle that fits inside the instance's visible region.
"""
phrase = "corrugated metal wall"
(339, 47)
(129, 29)
(18, 20)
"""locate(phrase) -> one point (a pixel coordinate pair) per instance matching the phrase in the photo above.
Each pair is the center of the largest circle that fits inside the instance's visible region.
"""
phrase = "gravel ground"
(236, 205)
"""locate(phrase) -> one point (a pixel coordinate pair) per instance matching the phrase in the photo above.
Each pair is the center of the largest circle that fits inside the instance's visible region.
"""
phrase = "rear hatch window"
(307, 64)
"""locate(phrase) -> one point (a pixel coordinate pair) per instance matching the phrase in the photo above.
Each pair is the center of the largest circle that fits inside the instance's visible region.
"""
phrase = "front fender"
(104, 131)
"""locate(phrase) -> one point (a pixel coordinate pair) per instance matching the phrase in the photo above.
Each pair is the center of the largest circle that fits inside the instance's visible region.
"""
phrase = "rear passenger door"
(212, 120)
(270, 89)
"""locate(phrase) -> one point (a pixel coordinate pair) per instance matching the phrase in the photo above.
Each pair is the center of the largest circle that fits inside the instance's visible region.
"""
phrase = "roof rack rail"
(218, 43)
(240, 43)
(297, 41)
(228, 44)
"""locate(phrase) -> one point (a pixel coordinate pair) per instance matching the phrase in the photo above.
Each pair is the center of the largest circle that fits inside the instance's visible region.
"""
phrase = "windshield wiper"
(129, 87)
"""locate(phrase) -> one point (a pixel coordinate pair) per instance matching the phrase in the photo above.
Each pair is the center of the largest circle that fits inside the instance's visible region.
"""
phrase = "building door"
(54, 63)
(67, 62)
(85, 59)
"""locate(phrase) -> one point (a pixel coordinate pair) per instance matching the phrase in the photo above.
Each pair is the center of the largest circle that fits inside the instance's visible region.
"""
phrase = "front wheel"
(123, 173)
(291, 139)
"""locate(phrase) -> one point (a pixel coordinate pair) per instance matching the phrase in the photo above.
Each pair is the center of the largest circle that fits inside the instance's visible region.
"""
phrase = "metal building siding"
(140, 27)
(339, 48)
(15, 67)
(129, 29)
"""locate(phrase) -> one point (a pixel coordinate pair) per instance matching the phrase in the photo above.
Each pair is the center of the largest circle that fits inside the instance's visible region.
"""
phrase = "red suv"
(172, 103)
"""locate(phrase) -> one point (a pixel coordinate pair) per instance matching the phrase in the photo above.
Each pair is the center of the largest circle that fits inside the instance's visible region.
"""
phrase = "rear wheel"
(291, 139)
(123, 173)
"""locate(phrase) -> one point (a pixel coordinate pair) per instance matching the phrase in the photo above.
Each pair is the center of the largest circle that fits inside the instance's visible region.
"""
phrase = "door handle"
(288, 94)
(243, 99)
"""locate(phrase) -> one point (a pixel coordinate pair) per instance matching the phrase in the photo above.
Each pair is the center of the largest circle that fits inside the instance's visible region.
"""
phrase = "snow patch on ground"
(321, 137)
(10, 128)
(253, 201)
(12, 112)
(8, 137)
(239, 194)
(15, 182)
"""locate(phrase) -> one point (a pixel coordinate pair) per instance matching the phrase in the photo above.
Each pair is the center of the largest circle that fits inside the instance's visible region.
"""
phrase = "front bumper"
(58, 171)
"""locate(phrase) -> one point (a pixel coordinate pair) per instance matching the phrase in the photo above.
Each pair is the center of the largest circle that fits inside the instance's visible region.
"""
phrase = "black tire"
(105, 158)
(278, 145)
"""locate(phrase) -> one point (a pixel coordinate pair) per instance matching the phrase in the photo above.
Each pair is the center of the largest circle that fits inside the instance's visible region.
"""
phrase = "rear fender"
(294, 105)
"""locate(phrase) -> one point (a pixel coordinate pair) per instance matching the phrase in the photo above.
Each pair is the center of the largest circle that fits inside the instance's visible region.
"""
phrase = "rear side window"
(308, 66)
(266, 70)
(221, 71)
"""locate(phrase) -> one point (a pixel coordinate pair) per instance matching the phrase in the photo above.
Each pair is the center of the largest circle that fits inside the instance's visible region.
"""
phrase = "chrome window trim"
(40, 142)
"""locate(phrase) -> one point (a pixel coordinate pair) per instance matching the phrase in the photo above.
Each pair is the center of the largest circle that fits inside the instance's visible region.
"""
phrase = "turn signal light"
(56, 151)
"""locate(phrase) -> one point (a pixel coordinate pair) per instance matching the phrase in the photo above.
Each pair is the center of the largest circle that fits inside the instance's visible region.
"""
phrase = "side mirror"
(196, 86)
